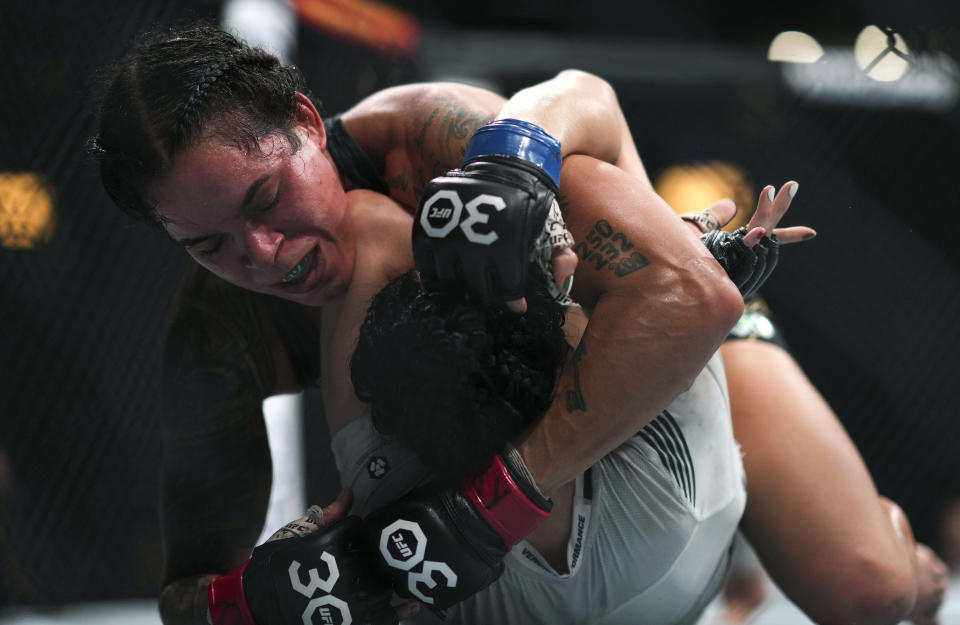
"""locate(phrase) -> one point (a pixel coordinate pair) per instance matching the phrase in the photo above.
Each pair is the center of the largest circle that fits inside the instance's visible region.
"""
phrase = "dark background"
(870, 307)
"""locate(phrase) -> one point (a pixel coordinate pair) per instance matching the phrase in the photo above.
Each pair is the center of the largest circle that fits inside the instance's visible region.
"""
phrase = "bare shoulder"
(420, 131)
(382, 230)
(419, 100)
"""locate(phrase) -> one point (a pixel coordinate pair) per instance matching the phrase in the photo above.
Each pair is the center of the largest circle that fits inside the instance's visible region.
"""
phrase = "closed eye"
(211, 250)
(266, 209)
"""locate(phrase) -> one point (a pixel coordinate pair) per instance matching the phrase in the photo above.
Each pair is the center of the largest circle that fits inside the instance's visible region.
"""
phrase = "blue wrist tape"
(520, 139)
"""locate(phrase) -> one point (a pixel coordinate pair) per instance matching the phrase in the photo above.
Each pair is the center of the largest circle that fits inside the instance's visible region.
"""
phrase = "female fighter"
(222, 147)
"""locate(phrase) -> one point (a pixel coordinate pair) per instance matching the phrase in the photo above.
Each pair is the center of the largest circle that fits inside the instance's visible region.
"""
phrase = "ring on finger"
(705, 220)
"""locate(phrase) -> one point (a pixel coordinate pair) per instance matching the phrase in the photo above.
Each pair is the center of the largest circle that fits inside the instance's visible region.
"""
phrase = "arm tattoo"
(610, 249)
(442, 141)
(574, 397)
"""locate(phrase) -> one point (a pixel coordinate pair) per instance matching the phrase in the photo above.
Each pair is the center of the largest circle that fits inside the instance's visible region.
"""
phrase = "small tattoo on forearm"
(575, 399)
(607, 248)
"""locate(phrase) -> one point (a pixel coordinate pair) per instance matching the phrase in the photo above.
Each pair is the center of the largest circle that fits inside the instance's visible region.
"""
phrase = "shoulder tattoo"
(441, 142)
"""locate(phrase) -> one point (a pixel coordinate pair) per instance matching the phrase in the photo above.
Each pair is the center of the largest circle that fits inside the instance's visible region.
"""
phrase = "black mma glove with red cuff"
(475, 226)
(440, 546)
(327, 576)
(747, 267)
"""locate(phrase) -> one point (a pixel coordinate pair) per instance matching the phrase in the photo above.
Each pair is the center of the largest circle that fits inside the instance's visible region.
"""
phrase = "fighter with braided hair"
(285, 212)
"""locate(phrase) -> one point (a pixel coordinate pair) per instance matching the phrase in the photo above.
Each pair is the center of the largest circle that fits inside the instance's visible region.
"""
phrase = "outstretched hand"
(771, 207)
(749, 254)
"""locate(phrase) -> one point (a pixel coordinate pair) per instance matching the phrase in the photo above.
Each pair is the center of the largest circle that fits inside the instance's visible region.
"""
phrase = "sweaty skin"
(217, 469)
(657, 318)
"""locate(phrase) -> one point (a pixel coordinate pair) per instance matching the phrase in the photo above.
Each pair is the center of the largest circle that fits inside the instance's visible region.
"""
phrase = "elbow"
(729, 302)
(720, 301)
(585, 82)
(870, 591)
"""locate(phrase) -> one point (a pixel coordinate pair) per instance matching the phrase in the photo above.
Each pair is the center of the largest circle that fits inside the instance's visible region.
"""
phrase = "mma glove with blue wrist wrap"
(475, 226)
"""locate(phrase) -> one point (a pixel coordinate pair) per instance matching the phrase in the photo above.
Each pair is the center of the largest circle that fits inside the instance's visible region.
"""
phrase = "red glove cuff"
(503, 505)
(226, 600)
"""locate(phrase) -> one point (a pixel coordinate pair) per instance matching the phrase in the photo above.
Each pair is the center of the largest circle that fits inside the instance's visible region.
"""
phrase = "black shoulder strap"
(350, 158)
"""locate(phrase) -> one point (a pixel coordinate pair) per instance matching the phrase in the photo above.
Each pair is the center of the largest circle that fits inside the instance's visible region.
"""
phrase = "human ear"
(307, 117)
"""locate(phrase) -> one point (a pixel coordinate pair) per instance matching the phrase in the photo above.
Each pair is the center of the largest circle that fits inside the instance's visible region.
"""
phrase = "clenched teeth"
(296, 271)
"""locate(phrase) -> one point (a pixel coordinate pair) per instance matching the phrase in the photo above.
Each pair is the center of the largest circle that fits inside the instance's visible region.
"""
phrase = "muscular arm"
(661, 306)
(421, 131)
(581, 111)
(216, 466)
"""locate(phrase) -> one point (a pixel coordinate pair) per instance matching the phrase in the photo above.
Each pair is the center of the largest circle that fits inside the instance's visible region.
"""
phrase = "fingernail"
(518, 306)
(770, 193)
(567, 284)
(809, 236)
(793, 189)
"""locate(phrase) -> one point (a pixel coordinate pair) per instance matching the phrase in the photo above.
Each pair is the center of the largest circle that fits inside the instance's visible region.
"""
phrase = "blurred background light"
(881, 54)
(931, 83)
(26, 210)
(793, 46)
(372, 23)
(268, 24)
(693, 187)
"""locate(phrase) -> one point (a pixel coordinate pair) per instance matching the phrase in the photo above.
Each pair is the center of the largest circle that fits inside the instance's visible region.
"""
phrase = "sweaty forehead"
(208, 181)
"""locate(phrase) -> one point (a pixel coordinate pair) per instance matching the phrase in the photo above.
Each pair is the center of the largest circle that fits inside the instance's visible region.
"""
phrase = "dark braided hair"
(453, 379)
(176, 87)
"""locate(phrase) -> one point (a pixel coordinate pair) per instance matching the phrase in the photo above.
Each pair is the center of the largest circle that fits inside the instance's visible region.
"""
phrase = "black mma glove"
(327, 576)
(441, 546)
(747, 267)
(475, 226)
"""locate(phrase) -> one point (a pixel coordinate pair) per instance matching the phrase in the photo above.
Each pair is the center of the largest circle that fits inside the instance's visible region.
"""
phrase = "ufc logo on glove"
(502, 193)
(403, 545)
(442, 211)
(321, 606)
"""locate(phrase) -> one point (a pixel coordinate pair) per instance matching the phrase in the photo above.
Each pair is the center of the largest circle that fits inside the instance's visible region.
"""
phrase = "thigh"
(813, 513)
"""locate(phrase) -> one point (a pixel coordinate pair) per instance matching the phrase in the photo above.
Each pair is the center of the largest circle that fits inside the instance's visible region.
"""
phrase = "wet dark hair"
(176, 87)
(453, 379)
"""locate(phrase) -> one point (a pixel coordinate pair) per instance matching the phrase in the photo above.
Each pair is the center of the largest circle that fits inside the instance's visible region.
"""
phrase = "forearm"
(661, 308)
(632, 362)
(581, 111)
